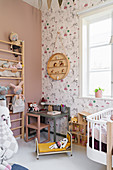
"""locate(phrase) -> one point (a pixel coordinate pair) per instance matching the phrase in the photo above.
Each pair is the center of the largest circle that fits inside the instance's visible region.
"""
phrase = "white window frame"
(81, 16)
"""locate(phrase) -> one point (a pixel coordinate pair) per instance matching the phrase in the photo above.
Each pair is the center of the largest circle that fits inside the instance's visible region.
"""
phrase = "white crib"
(92, 153)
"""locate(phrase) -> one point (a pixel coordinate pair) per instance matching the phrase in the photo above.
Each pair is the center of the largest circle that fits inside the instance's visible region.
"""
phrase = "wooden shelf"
(11, 52)
(9, 69)
(61, 65)
(11, 43)
(13, 78)
(58, 67)
(2, 59)
(9, 95)
(78, 133)
(58, 60)
(80, 123)
(57, 73)
(16, 60)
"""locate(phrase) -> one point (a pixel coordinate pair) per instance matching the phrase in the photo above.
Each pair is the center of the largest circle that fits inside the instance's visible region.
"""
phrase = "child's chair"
(37, 126)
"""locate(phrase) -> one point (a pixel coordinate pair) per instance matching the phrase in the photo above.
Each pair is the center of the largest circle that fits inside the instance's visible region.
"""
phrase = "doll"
(35, 107)
(60, 144)
(30, 107)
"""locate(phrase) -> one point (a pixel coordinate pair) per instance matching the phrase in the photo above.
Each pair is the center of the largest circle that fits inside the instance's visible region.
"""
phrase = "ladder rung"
(16, 120)
(16, 128)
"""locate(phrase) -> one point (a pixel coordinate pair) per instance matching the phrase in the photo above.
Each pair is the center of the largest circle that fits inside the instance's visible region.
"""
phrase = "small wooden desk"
(45, 115)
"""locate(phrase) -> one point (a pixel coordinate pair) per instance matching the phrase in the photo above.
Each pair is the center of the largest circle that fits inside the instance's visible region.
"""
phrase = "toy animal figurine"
(18, 99)
(60, 144)
(30, 107)
(13, 68)
(61, 63)
(14, 38)
(35, 107)
(3, 92)
(55, 64)
(8, 144)
(17, 89)
(19, 66)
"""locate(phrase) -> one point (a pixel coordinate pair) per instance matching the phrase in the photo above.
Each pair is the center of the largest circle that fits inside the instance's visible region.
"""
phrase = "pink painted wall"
(17, 16)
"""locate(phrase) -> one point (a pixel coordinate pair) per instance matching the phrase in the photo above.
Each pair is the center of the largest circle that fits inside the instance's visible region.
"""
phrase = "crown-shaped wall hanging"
(49, 2)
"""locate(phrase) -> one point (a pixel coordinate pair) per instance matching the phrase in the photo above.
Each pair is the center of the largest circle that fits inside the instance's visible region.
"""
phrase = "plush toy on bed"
(18, 99)
(8, 144)
(60, 144)
(3, 92)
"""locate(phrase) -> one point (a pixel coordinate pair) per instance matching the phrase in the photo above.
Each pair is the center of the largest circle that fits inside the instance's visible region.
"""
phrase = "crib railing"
(96, 119)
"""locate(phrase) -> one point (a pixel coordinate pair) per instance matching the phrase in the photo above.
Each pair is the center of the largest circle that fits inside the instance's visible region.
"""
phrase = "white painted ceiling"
(35, 3)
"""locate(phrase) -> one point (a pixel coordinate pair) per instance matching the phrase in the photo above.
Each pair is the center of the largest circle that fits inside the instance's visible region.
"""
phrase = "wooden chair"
(37, 126)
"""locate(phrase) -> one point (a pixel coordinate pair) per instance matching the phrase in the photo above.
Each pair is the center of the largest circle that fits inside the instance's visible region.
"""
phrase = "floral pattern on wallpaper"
(66, 91)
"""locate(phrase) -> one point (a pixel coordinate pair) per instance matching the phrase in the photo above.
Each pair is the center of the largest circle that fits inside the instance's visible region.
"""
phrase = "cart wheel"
(37, 158)
(71, 154)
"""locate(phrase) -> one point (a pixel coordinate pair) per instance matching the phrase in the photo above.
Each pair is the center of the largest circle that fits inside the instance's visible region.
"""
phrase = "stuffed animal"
(8, 144)
(60, 144)
(17, 89)
(3, 92)
(35, 107)
(14, 38)
(18, 99)
(19, 66)
(30, 107)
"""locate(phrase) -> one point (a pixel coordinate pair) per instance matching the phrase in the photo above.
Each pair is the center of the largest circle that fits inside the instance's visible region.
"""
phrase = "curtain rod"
(104, 4)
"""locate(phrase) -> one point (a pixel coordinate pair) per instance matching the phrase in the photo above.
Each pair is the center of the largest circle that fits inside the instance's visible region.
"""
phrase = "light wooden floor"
(79, 161)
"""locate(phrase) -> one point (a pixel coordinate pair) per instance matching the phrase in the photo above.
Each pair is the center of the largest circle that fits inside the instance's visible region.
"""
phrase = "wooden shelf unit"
(21, 116)
(79, 129)
(58, 66)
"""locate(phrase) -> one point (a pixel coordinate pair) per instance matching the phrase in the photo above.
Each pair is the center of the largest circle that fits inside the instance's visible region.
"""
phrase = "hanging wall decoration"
(40, 4)
(60, 2)
(58, 65)
(49, 3)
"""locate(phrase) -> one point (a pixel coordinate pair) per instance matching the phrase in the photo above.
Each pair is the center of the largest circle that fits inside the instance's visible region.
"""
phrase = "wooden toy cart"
(43, 148)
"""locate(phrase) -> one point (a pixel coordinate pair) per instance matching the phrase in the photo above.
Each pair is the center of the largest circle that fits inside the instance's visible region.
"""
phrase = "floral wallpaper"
(66, 91)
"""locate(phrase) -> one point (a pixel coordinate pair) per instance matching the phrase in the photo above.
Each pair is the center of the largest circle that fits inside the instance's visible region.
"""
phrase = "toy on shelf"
(50, 108)
(61, 63)
(13, 68)
(35, 107)
(18, 99)
(74, 119)
(42, 103)
(3, 92)
(13, 37)
(55, 65)
(19, 66)
(30, 107)
(78, 128)
(5, 65)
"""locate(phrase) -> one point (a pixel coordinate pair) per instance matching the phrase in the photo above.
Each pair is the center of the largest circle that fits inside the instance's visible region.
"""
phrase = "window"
(97, 54)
